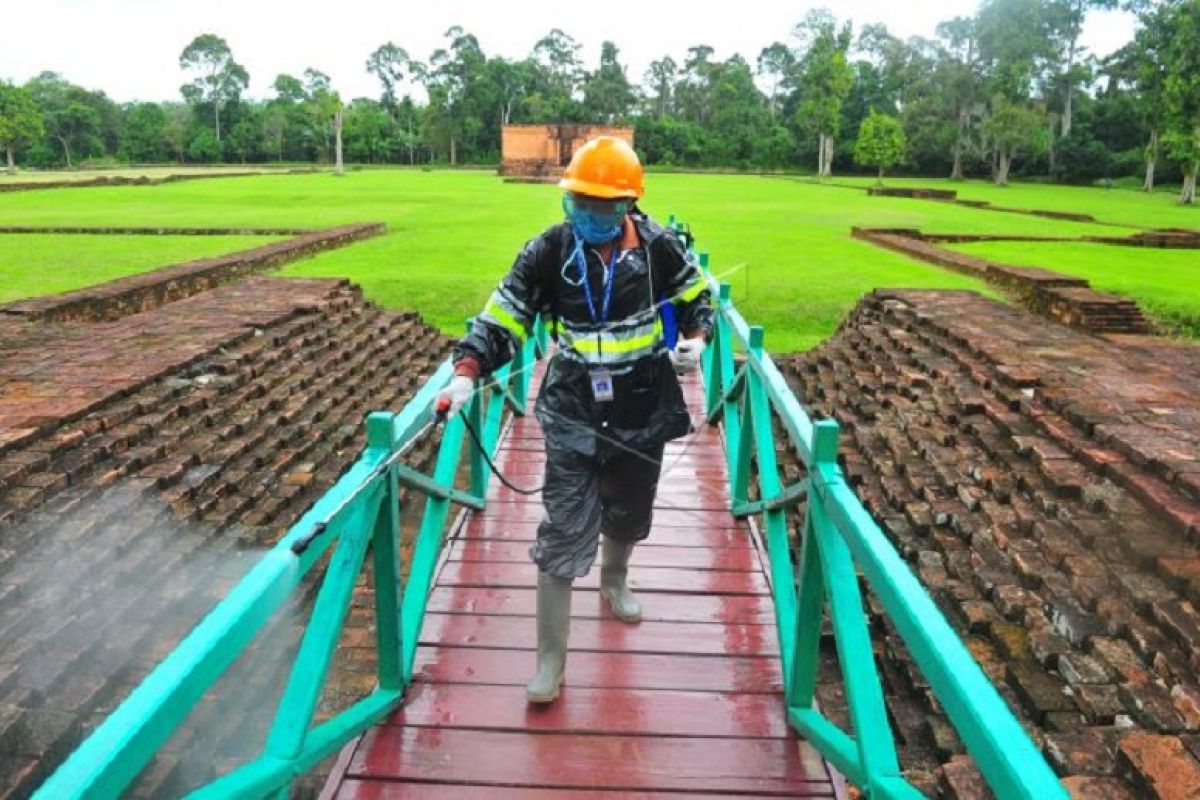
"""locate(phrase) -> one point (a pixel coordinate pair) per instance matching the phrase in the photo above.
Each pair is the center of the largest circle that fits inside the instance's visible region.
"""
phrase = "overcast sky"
(130, 48)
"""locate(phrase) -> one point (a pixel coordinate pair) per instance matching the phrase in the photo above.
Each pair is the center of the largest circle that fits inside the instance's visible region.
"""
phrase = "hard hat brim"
(598, 190)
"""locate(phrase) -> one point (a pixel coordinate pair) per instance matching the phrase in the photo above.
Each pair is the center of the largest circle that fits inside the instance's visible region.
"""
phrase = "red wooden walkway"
(686, 703)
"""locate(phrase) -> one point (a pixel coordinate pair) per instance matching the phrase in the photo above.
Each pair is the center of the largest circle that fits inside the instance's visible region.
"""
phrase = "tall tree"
(1013, 129)
(558, 73)
(217, 78)
(325, 106)
(20, 121)
(960, 82)
(693, 92)
(1181, 93)
(70, 114)
(390, 64)
(1065, 25)
(739, 117)
(607, 94)
(776, 62)
(1143, 65)
(825, 79)
(661, 78)
(452, 71)
(1015, 51)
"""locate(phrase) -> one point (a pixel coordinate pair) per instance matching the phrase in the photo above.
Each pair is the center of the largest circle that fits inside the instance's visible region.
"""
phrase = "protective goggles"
(574, 205)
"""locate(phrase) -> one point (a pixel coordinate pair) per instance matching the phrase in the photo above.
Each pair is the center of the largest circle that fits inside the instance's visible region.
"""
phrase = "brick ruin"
(542, 151)
(1065, 298)
(1044, 484)
(148, 455)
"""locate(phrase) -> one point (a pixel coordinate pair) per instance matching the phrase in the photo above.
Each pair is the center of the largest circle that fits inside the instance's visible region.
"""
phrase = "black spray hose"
(442, 414)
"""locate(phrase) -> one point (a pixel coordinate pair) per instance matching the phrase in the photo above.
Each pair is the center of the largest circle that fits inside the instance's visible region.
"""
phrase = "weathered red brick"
(1089, 788)
(1161, 766)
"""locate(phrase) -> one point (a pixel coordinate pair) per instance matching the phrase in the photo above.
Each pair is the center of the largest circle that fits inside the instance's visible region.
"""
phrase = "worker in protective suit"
(610, 399)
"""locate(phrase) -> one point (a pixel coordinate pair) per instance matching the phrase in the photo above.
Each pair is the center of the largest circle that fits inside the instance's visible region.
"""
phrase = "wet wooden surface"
(686, 703)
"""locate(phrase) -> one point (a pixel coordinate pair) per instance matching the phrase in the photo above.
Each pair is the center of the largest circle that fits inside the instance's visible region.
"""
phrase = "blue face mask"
(595, 221)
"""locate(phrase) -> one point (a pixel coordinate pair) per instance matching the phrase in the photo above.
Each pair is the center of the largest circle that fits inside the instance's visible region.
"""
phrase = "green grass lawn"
(1118, 206)
(452, 234)
(1166, 283)
(33, 264)
(42, 176)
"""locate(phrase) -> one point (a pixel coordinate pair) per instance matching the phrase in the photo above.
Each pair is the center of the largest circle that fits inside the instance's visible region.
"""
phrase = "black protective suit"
(592, 485)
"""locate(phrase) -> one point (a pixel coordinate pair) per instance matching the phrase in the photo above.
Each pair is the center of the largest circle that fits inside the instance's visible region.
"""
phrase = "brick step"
(1030, 551)
(162, 492)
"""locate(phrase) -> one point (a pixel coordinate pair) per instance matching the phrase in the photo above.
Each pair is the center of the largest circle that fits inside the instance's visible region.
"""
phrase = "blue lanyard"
(581, 260)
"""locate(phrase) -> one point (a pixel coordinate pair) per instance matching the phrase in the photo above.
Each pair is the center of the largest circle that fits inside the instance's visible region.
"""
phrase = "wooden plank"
(638, 763)
(512, 667)
(743, 609)
(389, 790)
(682, 496)
(632, 712)
(672, 638)
(531, 462)
(644, 555)
(663, 517)
(661, 533)
(646, 579)
(530, 508)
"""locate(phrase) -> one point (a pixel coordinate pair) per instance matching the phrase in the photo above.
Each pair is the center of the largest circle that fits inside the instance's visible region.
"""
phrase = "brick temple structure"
(541, 151)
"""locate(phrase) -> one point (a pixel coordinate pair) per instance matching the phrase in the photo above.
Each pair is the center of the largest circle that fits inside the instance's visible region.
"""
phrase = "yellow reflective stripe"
(618, 345)
(496, 312)
(693, 290)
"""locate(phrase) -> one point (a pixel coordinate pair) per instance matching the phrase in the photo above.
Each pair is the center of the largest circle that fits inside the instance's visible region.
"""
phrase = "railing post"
(293, 720)
(385, 546)
(864, 691)
(473, 412)
(518, 376)
(714, 365)
(761, 433)
(801, 682)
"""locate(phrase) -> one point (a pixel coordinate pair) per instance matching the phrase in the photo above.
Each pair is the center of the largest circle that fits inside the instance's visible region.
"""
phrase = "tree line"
(1008, 91)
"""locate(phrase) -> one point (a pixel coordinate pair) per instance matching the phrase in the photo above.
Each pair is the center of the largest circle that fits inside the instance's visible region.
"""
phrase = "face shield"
(595, 220)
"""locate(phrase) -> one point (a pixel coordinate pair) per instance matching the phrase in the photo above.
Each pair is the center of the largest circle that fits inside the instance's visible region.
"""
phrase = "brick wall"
(545, 149)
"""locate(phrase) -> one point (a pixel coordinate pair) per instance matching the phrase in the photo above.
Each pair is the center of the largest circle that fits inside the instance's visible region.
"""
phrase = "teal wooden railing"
(745, 392)
(361, 509)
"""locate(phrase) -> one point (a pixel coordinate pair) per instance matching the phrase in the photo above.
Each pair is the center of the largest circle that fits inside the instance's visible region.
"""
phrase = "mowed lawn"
(1166, 283)
(33, 264)
(1115, 206)
(783, 244)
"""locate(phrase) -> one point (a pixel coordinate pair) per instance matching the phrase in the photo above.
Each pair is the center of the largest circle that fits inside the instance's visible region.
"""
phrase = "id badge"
(602, 385)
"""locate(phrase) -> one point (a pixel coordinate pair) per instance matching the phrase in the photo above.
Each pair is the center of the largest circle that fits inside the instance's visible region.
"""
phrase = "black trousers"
(611, 492)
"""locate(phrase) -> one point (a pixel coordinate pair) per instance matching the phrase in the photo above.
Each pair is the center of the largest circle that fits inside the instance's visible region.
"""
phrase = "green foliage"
(967, 100)
(881, 143)
(20, 118)
(217, 78)
(1181, 91)
(145, 134)
(607, 93)
(204, 147)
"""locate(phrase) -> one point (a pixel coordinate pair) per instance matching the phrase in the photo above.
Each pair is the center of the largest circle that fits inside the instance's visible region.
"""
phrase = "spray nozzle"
(442, 411)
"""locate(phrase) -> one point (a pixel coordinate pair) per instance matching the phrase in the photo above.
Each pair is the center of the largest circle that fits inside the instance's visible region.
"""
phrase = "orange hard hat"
(605, 167)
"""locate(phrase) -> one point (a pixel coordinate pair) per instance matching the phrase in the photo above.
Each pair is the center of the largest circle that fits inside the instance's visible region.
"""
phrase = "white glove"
(686, 355)
(455, 395)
